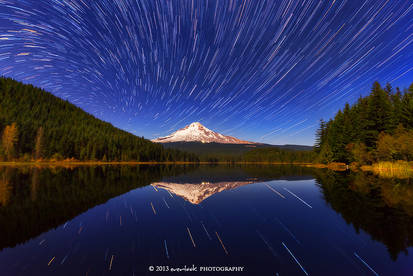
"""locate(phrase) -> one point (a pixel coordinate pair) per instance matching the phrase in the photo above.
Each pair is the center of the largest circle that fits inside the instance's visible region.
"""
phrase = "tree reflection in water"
(36, 199)
(382, 207)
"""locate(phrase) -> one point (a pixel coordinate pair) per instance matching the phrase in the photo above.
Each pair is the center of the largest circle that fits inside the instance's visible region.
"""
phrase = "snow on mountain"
(196, 132)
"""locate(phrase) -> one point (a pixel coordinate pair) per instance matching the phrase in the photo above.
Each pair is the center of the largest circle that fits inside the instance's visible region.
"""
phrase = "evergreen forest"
(378, 127)
(36, 125)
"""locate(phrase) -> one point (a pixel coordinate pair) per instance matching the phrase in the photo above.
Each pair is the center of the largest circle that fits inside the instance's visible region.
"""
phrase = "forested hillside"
(277, 155)
(37, 125)
(378, 127)
(215, 152)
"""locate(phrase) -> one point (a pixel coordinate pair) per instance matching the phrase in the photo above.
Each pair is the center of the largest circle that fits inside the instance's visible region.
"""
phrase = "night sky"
(259, 70)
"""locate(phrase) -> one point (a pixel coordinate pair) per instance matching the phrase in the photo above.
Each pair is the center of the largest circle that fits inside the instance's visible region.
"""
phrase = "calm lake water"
(269, 220)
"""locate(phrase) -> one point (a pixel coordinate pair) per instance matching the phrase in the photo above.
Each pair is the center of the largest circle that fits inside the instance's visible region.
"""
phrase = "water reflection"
(206, 181)
(195, 193)
(34, 200)
(119, 219)
(382, 207)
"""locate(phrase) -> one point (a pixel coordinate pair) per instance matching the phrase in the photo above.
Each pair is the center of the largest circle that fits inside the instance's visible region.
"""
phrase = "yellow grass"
(399, 169)
(332, 166)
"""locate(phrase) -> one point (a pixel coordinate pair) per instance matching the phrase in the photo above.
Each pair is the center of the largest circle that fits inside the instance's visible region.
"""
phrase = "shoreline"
(380, 167)
(95, 163)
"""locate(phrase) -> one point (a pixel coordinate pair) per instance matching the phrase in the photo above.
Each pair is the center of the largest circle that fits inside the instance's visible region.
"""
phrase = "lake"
(254, 220)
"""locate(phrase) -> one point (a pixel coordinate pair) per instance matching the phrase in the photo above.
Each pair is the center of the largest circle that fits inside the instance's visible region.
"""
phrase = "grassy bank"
(399, 169)
(332, 166)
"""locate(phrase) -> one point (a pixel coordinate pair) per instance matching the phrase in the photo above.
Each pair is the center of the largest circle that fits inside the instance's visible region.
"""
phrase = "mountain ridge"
(196, 132)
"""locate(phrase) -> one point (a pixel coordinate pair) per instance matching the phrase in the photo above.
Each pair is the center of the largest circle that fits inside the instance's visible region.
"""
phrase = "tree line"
(260, 155)
(215, 152)
(275, 155)
(36, 125)
(378, 127)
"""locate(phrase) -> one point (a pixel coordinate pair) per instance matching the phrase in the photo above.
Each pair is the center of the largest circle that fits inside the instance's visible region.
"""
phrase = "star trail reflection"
(239, 223)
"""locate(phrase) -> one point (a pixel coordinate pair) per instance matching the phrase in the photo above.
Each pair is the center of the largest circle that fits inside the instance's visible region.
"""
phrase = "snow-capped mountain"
(196, 132)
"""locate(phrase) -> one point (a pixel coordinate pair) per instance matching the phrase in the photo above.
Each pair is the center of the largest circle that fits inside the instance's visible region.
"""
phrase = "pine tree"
(396, 100)
(39, 144)
(9, 141)
(326, 154)
(336, 137)
(379, 114)
(320, 135)
(406, 108)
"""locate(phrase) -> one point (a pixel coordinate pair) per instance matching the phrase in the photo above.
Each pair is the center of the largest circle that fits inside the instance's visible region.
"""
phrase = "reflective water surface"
(269, 220)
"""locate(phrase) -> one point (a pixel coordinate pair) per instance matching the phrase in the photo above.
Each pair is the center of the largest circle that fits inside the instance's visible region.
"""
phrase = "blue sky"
(264, 71)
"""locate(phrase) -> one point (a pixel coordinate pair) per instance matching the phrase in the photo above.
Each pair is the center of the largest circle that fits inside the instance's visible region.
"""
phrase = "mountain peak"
(196, 132)
(195, 125)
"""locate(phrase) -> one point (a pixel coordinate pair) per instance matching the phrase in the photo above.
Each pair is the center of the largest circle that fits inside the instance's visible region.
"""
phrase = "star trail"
(259, 70)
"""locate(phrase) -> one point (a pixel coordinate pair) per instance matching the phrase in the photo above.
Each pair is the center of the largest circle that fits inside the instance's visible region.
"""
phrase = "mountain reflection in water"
(195, 193)
(297, 220)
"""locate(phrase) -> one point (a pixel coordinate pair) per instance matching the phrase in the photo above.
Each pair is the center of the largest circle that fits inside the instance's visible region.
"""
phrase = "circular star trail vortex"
(259, 70)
